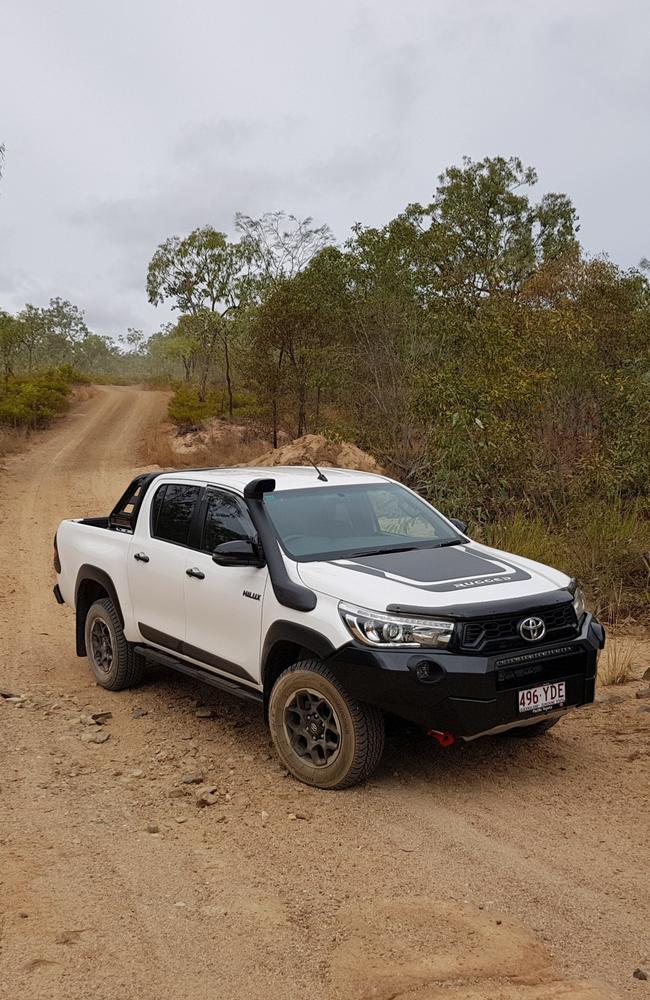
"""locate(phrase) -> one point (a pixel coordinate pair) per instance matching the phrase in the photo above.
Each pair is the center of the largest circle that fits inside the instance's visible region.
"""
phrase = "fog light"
(422, 671)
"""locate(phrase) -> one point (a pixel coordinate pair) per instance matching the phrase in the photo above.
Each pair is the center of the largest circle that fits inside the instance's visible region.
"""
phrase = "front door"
(223, 604)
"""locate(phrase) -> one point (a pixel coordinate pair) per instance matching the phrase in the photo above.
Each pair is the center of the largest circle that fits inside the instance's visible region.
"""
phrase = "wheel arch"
(92, 585)
(286, 643)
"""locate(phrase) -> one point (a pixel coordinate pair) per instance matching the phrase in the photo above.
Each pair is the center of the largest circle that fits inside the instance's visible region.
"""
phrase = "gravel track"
(502, 869)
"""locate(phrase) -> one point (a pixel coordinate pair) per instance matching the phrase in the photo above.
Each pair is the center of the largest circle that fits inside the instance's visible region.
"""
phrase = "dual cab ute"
(330, 597)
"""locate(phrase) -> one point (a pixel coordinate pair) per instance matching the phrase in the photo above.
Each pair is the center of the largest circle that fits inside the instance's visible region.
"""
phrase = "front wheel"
(323, 736)
(114, 664)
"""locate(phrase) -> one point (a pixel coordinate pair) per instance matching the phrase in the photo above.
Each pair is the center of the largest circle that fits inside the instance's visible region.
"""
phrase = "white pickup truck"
(331, 598)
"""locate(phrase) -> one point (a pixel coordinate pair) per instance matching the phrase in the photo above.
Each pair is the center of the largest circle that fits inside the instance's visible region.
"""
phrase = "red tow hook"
(444, 739)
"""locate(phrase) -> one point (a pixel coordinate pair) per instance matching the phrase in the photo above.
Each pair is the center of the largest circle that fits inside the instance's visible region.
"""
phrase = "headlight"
(579, 603)
(375, 628)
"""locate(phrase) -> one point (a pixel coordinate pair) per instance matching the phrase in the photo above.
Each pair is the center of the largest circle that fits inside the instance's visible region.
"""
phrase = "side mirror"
(461, 525)
(240, 552)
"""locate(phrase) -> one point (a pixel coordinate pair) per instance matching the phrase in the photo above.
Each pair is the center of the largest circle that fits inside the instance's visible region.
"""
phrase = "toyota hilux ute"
(330, 597)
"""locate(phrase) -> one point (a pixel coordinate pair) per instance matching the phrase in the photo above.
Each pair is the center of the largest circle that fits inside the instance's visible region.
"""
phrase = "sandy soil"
(500, 869)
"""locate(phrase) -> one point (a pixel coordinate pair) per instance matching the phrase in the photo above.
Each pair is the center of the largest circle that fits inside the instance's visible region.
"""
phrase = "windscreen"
(338, 522)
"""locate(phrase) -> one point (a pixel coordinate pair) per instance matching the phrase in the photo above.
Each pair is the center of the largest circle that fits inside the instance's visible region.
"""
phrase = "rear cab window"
(173, 512)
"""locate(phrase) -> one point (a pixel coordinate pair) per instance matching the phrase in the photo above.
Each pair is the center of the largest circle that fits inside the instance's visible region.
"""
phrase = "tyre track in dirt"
(226, 902)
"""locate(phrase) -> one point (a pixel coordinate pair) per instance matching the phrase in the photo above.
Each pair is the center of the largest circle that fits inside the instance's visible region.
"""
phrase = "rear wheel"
(114, 664)
(321, 734)
(530, 732)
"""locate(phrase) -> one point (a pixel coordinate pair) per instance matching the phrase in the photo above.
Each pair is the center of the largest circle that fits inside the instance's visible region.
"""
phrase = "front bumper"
(469, 695)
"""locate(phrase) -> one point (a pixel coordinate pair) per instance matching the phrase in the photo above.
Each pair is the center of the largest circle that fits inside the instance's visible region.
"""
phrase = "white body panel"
(335, 579)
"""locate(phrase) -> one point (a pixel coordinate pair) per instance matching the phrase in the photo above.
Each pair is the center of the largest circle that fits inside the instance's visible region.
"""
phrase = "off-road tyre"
(360, 728)
(532, 732)
(112, 660)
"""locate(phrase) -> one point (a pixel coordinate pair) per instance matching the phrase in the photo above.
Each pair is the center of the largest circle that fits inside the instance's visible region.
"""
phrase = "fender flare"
(299, 635)
(100, 576)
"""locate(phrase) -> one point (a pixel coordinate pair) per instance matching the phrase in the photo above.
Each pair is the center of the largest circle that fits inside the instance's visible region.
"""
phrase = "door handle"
(141, 557)
(196, 573)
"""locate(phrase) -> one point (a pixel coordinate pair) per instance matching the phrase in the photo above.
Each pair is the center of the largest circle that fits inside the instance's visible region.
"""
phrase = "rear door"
(223, 604)
(159, 555)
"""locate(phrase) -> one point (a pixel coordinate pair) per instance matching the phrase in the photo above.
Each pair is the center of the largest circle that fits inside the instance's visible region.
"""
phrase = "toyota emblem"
(532, 629)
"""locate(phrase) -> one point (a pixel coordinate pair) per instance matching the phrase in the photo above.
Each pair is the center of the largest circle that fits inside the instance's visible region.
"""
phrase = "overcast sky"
(126, 122)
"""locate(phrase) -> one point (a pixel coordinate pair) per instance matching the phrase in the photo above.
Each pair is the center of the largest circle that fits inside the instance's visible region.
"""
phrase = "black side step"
(199, 674)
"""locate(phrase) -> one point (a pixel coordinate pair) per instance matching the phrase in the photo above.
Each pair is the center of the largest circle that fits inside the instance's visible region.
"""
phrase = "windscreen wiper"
(452, 541)
(380, 552)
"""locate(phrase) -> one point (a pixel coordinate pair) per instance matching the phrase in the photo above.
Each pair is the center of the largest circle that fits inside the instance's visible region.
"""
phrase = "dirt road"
(501, 869)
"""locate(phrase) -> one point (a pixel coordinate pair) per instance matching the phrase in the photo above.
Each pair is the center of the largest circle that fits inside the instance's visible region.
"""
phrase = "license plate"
(546, 696)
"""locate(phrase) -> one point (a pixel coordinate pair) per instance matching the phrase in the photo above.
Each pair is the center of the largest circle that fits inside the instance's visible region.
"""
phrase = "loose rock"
(203, 713)
(138, 713)
(193, 779)
(153, 828)
(207, 796)
(101, 718)
(96, 736)
(643, 693)
(640, 973)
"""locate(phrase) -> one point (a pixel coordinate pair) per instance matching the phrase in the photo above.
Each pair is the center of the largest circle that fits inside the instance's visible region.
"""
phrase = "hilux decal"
(438, 570)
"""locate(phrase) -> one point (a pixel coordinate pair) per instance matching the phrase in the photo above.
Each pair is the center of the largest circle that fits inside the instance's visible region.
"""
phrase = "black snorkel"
(288, 593)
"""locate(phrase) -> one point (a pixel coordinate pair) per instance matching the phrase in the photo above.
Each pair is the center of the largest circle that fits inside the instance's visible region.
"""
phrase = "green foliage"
(187, 410)
(34, 401)
(605, 545)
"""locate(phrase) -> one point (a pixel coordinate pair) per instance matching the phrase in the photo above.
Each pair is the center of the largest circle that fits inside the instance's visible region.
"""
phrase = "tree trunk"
(302, 411)
(226, 355)
(275, 420)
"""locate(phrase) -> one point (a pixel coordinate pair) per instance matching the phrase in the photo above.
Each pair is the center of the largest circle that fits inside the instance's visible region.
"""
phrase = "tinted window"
(225, 521)
(399, 513)
(341, 521)
(172, 510)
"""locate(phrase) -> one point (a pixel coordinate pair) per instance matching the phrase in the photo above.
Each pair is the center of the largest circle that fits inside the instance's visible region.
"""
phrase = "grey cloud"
(345, 110)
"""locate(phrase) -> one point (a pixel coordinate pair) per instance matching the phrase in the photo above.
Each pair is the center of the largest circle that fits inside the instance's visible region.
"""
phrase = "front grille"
(501, 632)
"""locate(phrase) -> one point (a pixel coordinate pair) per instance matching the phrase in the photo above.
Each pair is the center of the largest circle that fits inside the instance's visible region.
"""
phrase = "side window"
(171, 512)
(226, 520)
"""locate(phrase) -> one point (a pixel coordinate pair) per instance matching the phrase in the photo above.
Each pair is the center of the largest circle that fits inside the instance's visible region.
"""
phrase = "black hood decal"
(440, 570)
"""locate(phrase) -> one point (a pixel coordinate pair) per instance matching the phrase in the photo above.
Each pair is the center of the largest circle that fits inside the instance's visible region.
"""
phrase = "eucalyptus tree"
(203, 276)
(9, 344)
(278, 246)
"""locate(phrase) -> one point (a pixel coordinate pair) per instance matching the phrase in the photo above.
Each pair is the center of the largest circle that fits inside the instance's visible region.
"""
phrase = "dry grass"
(616, 664)
(12, 439)
(82, 392)
(221, 452)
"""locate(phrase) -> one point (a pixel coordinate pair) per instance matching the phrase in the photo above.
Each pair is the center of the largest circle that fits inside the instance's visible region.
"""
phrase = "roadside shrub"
(33, 401)
(605, 546)
(187, 411)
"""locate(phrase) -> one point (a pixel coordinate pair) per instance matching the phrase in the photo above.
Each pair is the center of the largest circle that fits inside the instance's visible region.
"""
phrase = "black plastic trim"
(468, 612)
(186, 649)
(88, 572)
(200, 674)
(56, 590)
(100, 576)
(289, 594)
(300, 635)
